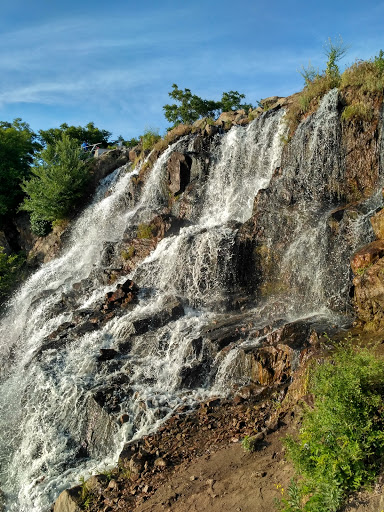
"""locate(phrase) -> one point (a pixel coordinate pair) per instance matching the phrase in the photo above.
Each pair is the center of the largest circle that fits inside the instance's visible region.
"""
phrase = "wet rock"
(68, 500)
(172, 310)
(106, 354)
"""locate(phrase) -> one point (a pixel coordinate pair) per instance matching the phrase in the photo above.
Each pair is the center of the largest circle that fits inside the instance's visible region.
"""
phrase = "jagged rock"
(377, 222)
(68, 500)
(124, 296)
(97, 483)
(367, 256)
(172, 310)
(179, 172)
(134, 153)
(369, 296)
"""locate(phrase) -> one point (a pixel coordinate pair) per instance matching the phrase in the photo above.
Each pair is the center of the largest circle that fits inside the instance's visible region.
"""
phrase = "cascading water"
(51, 408)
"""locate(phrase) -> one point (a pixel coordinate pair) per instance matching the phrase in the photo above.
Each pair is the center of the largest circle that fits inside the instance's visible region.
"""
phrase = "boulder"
(68, 500)
(369, 296)
(377, 222)
(179, 172)
(367, 256)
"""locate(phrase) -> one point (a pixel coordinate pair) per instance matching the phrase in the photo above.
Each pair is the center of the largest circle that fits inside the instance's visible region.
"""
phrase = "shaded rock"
(179, 172)
(106, 354)
(172, 310)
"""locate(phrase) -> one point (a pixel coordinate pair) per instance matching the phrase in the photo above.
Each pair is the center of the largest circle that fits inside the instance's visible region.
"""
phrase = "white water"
(45, 401)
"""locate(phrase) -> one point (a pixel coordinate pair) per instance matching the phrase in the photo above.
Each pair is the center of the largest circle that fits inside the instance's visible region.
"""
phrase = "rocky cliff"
(210, 269)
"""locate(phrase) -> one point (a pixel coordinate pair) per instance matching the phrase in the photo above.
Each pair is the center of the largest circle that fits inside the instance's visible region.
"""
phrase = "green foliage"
(39, 227)
(341, 443)
(334, 52)
(379, 62)
(366, 76)
(249, 444)
(87, 498)
(89, 133)
(150, 137)
(310, 74)
(190, 107)
(357, 112)
(10, 272)
(17, 147)
(131, 143)
(129, 253)
(144, 231)
(58, 181)
(232, 100)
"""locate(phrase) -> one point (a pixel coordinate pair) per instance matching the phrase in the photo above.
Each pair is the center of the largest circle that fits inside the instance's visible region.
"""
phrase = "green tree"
(17, 147)
(334, 52)
(232, 100)
(58, 181)
(89, 133)
(10, 267)
(190, 107)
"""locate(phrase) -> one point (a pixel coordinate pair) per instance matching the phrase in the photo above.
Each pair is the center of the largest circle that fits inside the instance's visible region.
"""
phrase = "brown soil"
(228, 479)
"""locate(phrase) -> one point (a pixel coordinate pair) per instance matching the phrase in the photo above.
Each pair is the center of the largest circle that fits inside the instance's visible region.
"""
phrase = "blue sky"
(114, 62)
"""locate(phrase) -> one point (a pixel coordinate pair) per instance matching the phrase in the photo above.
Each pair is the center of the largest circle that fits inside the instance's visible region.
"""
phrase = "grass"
(358, 84)
(340, 447)
(249, 443)
(129, 253)
(144, 231)
(358, 112)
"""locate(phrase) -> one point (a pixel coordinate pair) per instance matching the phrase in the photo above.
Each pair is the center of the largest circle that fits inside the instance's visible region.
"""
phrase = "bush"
(10, 268)
(149, 139)
(58, 181)
(367, 76)
(358, 112)
(39, 227)
(309, 98)
(341, 443)
(144, 231)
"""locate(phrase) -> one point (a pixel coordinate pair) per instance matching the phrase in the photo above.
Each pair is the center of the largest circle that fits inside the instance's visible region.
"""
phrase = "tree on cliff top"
(17, 147)
(58, 181)
(190, 107)
(89, 133)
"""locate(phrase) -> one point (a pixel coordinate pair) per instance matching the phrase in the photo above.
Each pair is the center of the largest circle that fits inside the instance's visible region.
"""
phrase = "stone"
(160, 463)
(97, 483)
(377, 222)
(68, 500)
(179, 172)
(367, 256)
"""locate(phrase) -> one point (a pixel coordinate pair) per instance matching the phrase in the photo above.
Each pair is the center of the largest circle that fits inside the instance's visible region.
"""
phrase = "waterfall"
(55, 397)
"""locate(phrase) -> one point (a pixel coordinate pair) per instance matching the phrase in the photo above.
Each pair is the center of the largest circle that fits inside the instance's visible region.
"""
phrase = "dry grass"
(307, 101)
(365, 76)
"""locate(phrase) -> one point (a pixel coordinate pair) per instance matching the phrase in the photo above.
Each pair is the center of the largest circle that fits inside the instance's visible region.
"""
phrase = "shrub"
(127, 254)
(58, 181)
(341, 442)
(249, 443)
(10, 268)
(150, 137)
(358, 112)
(144, 231)
(39, 227)
(367, 76)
